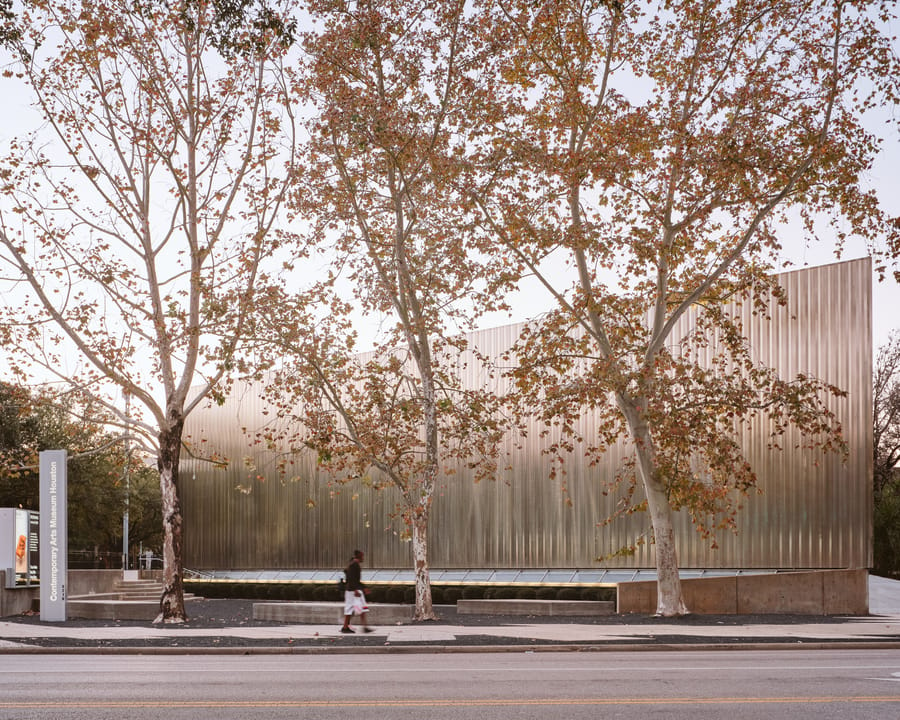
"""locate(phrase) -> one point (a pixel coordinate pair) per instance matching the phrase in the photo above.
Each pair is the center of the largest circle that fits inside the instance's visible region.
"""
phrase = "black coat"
(353, 574)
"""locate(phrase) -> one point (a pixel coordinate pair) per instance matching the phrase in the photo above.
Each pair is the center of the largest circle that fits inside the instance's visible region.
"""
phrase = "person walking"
(355, 594)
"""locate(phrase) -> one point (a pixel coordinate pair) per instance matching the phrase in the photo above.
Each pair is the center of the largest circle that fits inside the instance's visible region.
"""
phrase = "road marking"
(387, 668)
(895, 677)
(440, 702)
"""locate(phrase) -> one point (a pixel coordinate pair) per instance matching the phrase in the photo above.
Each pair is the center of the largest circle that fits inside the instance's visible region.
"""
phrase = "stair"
(138, 590)
(129, 600)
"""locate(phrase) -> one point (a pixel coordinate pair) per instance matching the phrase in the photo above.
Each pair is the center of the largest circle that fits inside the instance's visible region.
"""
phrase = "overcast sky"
(20, 118)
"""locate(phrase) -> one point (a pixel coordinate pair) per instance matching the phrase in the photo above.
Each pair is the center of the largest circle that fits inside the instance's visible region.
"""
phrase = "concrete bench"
(322, 613)
(102, 607)
(544, 608)
(317, 613)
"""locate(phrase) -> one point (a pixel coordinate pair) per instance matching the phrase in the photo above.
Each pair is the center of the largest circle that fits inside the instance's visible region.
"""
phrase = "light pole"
(127, 479)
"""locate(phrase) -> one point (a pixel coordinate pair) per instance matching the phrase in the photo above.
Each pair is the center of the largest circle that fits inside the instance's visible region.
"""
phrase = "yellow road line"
(439, 702)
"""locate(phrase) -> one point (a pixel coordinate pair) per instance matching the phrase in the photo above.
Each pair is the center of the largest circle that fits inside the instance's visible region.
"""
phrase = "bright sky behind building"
(532, 300)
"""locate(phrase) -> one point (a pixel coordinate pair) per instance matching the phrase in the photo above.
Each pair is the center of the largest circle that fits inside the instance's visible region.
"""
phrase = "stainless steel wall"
(815, 510)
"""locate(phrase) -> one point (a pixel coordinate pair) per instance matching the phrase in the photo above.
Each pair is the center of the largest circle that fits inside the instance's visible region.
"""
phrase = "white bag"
(359, 604)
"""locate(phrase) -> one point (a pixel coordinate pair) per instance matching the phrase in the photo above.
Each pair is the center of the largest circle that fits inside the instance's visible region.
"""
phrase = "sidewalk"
(491, 634)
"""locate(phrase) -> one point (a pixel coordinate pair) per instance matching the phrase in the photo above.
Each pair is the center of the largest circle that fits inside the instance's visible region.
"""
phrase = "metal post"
(127, 479)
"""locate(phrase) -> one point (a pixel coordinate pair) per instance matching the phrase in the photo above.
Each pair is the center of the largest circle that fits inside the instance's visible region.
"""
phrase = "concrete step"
(541, 608)
(129, 600)
(314, 613)
(155, 595)
(109, 609)
(137, 585)
(321, 613)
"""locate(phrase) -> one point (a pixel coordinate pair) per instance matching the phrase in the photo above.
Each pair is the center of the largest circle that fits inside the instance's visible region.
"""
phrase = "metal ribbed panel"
(815, 510)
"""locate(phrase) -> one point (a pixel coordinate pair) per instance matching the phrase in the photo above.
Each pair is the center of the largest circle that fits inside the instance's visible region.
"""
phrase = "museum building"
(814, 511)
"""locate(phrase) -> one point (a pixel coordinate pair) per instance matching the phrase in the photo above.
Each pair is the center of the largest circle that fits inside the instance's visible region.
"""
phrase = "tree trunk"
(424, 607)
(171, 604)
(669, 596)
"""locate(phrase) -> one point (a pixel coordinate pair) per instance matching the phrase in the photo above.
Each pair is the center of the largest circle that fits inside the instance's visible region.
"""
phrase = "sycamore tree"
(886, 415)
(657, 150)
(393, 86)
(135, 219)
(886, 450)
(364, 417)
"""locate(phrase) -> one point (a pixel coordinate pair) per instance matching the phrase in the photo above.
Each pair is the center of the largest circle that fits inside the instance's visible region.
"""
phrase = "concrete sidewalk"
(884, 596)
(880, 629)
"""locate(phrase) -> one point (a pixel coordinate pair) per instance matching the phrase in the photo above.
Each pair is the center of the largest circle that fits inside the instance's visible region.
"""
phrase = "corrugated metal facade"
(815, 510)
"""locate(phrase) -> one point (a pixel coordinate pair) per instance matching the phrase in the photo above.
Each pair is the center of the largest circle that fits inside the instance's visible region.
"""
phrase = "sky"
(884, 179)
(533, 300)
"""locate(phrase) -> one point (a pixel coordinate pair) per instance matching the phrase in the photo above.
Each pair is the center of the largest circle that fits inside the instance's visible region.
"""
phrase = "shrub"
(451, 595)
(505, 593)
(200, 588)
(886, 529)
(526, 594)
(241, 590)
(546, 593)
(228, 590)
(604, 594)
(325, 593)
(473, 592)
(568, 594)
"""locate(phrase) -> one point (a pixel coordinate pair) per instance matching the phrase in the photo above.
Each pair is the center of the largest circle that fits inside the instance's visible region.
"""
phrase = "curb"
(453, 649)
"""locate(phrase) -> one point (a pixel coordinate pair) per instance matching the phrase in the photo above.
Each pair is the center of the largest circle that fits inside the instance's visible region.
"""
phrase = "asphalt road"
(737, 685)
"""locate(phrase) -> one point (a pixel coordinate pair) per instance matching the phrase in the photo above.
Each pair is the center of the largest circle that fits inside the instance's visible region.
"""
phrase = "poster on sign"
(19, 546)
